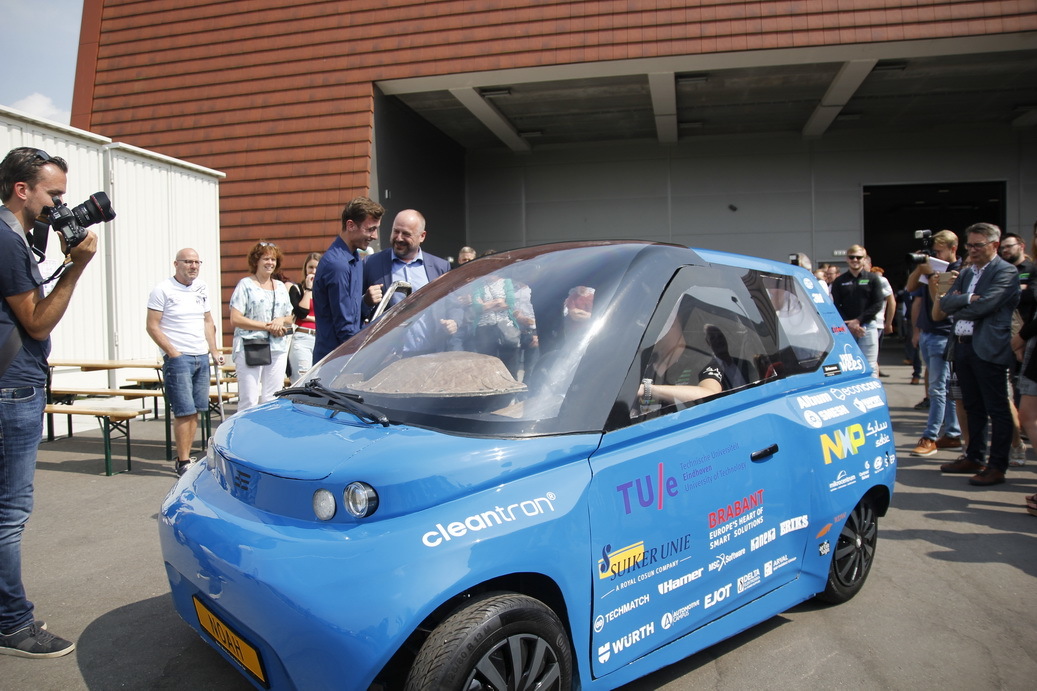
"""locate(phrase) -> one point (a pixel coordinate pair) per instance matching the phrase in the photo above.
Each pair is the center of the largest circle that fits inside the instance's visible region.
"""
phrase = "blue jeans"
(21, 427)
(186, 383)
(941, 411)
(869, 345)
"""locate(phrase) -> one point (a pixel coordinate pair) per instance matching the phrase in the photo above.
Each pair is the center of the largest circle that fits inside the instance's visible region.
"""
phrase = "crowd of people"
(969, 326)
(972, 324)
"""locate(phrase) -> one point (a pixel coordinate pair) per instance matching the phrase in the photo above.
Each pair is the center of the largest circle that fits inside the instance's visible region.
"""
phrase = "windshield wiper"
(347, 401)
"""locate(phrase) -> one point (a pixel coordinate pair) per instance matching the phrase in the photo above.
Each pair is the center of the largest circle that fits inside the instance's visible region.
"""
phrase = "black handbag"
(257, 354)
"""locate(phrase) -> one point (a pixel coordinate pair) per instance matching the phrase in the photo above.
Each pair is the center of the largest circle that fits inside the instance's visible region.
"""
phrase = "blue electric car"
(558, 467)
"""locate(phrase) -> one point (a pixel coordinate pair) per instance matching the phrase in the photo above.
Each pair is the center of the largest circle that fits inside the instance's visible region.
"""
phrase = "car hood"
(296, 441)
(301, 442)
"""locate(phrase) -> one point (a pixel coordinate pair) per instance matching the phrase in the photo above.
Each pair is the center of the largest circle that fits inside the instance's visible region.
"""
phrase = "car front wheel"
(504, 642)
(854, 554)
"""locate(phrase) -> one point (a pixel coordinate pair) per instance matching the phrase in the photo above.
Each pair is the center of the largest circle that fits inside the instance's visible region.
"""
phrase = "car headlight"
(360, 499)
(324, 504)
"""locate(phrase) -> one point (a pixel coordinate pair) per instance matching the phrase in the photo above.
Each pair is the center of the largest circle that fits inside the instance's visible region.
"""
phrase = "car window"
(804, 339)
(517, 344)
(719, 330)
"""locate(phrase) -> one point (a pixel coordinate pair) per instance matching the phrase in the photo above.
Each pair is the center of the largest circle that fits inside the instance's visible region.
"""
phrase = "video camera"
(72, 223)
(922, 255)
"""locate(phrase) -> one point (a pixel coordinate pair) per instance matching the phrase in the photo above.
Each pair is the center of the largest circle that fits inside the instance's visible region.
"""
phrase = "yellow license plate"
(235, 645)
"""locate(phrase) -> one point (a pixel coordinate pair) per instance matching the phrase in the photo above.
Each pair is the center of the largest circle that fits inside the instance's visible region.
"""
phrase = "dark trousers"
(985, 393)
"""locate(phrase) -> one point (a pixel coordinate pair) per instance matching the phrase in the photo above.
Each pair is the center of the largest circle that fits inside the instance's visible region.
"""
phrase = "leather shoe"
(987, 477)
(962, 466)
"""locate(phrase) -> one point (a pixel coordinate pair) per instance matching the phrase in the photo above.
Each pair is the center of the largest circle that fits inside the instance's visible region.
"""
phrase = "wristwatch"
(646, 395)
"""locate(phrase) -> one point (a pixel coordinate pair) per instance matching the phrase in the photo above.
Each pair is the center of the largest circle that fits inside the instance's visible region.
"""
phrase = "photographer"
(29, 180)
(930, 337)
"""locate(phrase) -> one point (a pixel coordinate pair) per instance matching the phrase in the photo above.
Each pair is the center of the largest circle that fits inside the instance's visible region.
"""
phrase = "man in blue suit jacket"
(404, 261)
(981, 302)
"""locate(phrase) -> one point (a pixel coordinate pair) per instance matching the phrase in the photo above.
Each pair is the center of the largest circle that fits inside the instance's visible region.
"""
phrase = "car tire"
(853, 555)
(498, 641)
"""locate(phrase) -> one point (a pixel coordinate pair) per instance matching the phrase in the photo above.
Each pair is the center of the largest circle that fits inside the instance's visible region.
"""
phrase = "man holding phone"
(930, 337)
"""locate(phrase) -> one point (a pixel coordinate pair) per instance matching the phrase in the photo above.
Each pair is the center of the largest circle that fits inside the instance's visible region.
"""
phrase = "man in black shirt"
(857, 295)
(1013, 251)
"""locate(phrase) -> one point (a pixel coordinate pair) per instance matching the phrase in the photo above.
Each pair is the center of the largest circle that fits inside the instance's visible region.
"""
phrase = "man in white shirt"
(180, 323)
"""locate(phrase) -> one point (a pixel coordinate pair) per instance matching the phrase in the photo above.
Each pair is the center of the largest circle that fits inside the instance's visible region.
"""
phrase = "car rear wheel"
(853, 556)
(499, 641)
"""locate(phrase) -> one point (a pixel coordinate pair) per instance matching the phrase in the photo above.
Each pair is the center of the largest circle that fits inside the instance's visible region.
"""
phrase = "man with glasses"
(181, 324)
(339, 281)
(930, 337)
(857, 295)
(982, 300)
(1013, 251)
(29, 180)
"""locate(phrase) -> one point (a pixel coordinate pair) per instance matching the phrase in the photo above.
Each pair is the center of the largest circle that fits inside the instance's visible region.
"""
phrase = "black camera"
(72, 223)
(922, 255)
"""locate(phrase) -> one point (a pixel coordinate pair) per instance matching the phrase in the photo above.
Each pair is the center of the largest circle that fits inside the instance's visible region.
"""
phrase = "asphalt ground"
(949, 604)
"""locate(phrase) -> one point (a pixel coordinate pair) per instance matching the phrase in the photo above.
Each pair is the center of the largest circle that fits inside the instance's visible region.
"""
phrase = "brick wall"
(278, 93)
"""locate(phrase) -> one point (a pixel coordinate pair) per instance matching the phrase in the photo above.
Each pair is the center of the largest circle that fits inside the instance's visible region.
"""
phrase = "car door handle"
(763, 454)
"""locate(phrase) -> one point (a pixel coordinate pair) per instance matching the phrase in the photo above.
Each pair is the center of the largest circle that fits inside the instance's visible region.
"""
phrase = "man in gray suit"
(981, 302)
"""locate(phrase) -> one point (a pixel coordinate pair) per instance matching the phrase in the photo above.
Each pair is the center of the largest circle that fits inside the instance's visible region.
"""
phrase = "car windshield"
(529, 342)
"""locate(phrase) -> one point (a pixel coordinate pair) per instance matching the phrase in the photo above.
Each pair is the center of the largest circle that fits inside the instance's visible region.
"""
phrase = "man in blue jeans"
(180, 323)
(29, 180)
(931, 337)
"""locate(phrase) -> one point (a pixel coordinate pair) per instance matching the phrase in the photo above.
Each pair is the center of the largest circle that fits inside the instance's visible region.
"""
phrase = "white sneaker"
(1017, 456)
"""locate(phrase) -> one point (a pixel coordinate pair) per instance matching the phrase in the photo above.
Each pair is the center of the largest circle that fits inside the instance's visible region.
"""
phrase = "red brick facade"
(278, 93)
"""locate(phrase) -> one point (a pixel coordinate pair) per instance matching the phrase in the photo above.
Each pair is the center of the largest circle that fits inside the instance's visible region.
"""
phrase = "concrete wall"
(767, 196)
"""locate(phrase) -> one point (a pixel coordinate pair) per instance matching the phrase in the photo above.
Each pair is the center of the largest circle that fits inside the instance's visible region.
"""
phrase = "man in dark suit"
(981, 302)
(404, 261)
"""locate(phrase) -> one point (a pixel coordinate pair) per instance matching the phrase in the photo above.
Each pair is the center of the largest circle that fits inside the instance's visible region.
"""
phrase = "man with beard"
(30, 180)
(404, 261)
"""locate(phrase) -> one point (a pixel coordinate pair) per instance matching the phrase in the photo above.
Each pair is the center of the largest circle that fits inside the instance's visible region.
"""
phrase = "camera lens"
(94, 210)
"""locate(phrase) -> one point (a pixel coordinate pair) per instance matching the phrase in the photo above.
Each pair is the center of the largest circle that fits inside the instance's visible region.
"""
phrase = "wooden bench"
(111, 419)
(68, 394)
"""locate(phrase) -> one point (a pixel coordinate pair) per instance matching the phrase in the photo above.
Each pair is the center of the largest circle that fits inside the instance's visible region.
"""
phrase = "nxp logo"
(846, 442)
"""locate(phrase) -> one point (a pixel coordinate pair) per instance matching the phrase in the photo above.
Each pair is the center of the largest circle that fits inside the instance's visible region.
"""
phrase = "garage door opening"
(892, 214)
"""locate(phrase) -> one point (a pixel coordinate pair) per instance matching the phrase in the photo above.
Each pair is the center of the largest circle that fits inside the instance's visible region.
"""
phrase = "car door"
(695, 507)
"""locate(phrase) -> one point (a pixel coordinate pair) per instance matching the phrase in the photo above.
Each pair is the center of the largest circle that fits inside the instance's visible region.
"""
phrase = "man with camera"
(181, 324)
(930, 337)
(30, 182)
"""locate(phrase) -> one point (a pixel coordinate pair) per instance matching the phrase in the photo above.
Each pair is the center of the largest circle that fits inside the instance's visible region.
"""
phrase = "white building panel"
(162, 204)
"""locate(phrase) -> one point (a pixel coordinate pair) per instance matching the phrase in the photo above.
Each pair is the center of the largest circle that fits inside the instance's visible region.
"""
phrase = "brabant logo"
(847, 442)
(735, 509)
(487, 520)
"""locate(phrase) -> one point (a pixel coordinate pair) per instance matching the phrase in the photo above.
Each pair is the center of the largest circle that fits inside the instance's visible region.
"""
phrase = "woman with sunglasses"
(261, 314)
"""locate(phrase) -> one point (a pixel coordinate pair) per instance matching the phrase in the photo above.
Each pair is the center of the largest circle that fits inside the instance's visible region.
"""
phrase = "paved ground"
(950, 603)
